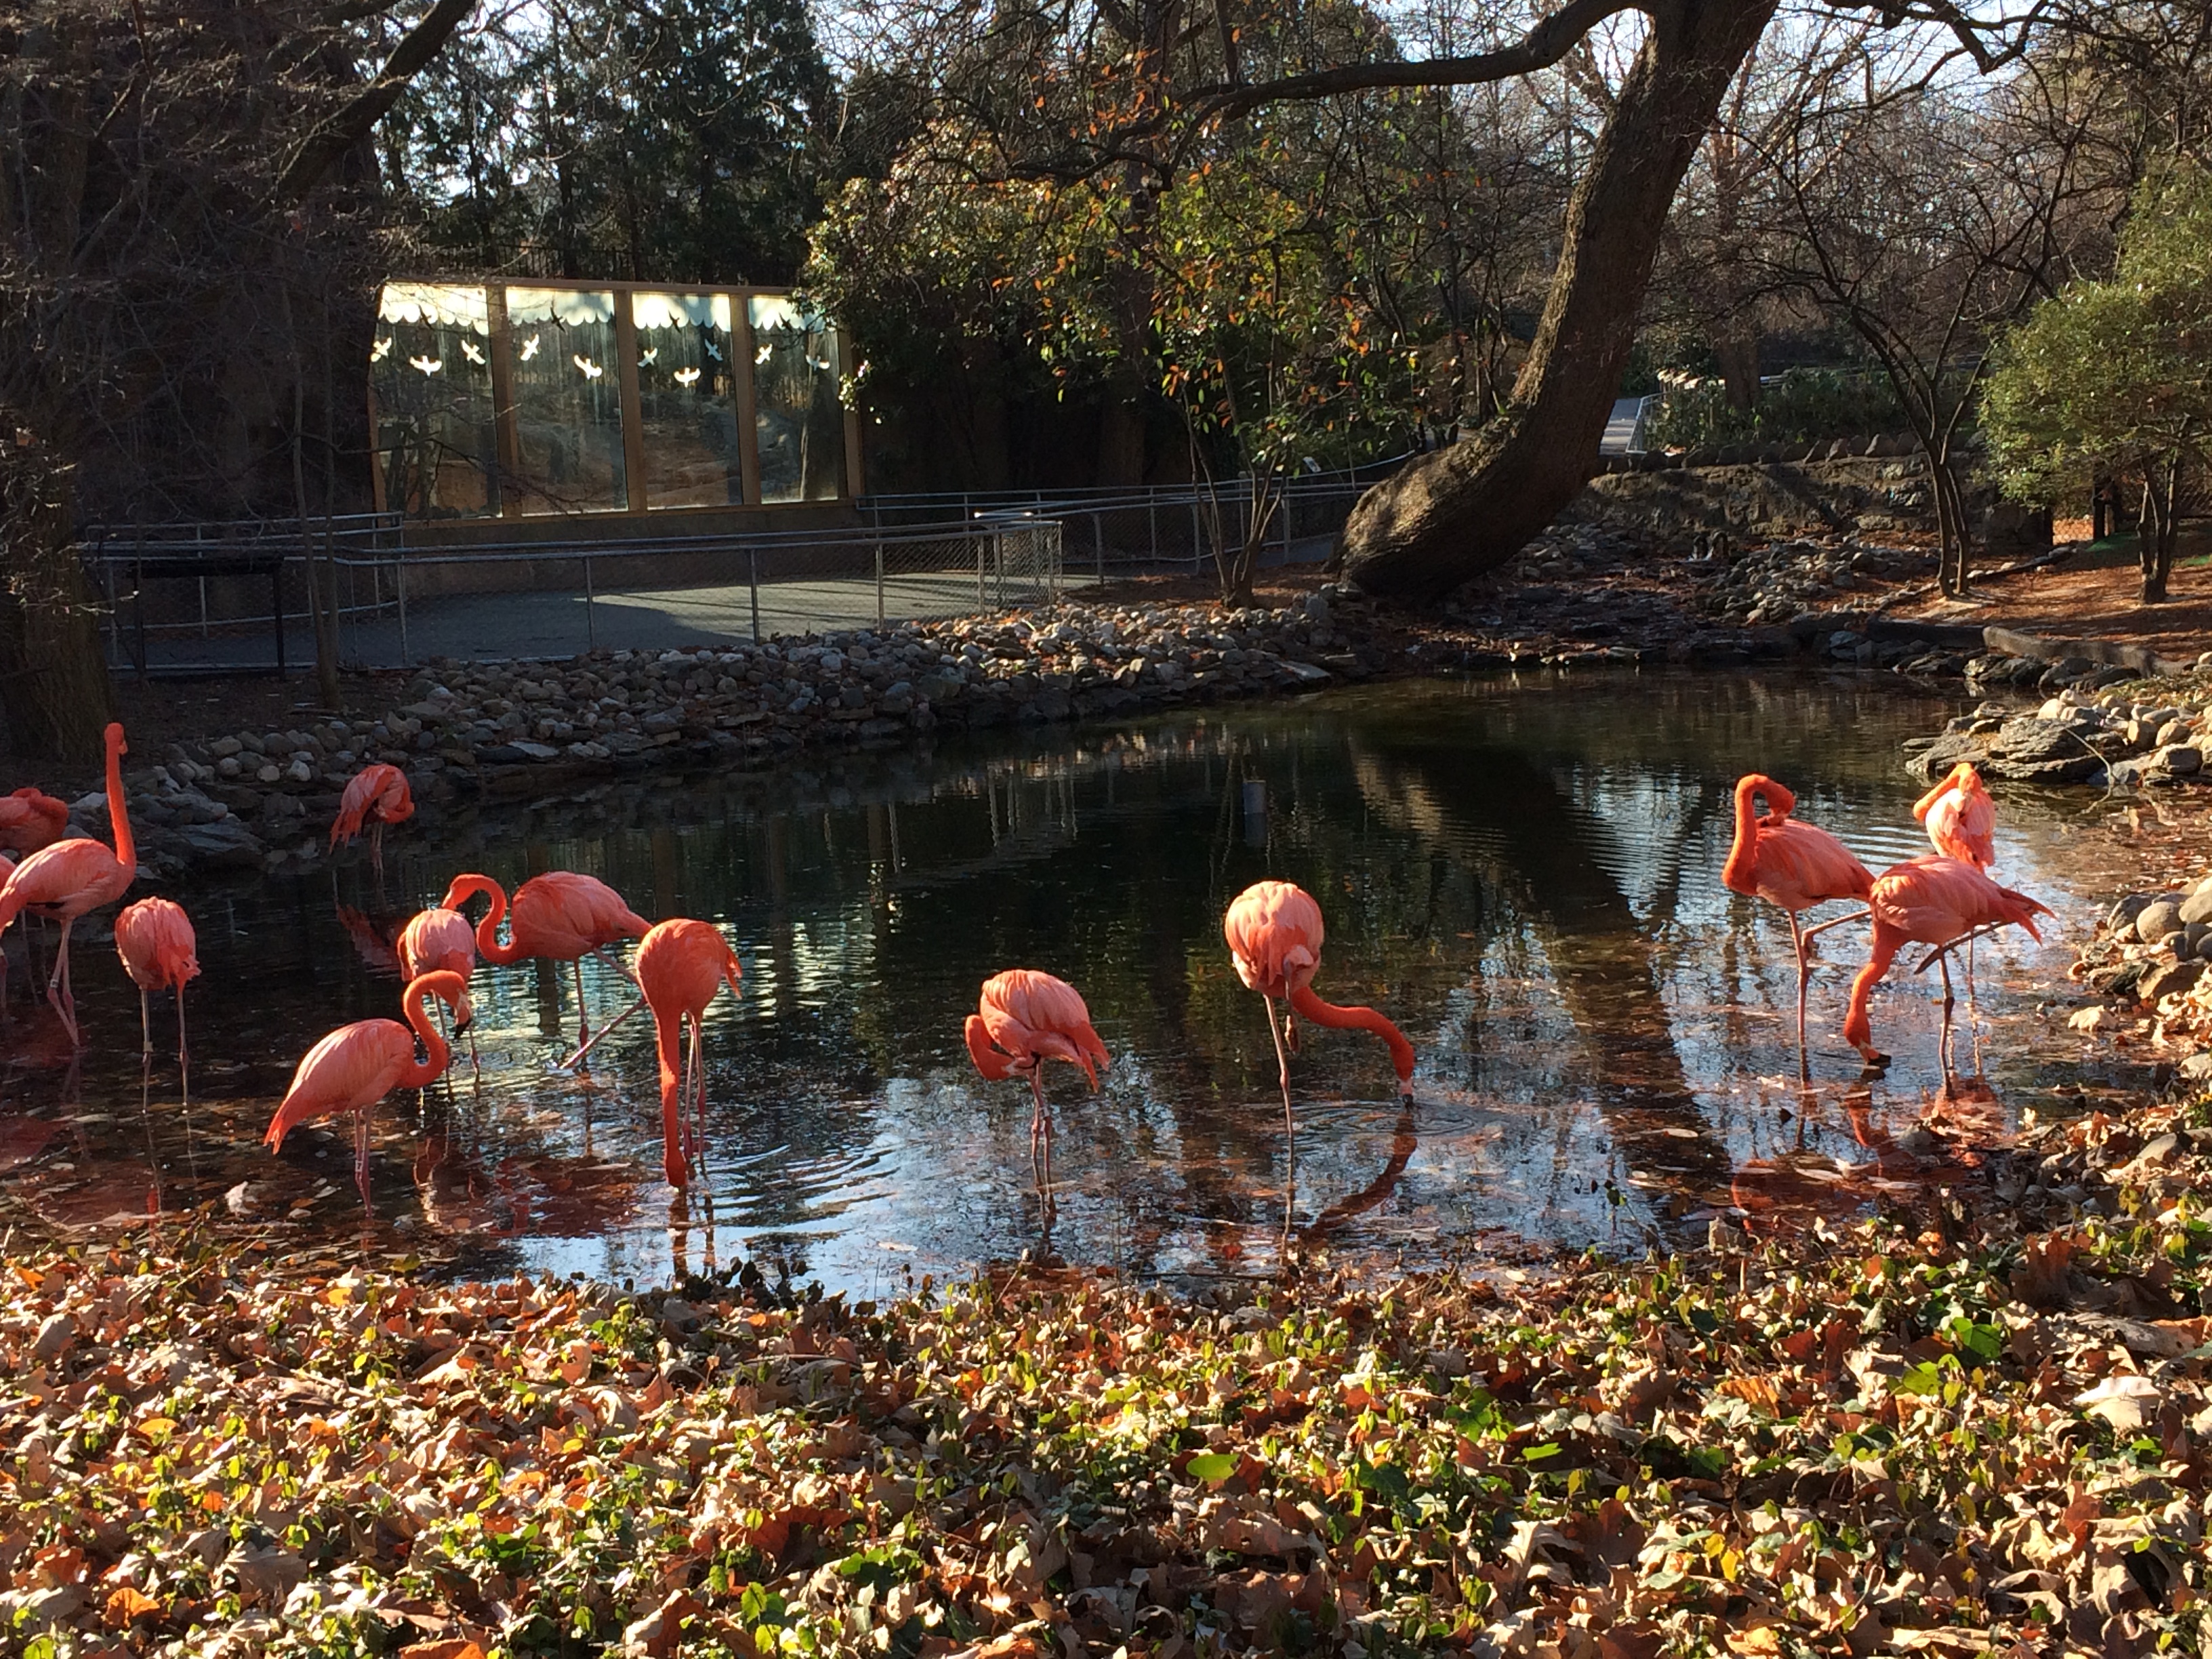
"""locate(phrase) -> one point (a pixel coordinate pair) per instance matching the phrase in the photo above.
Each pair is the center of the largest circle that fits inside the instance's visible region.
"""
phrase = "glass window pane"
(684, 399)
(801, 425)
(568, 400)
(430, 365)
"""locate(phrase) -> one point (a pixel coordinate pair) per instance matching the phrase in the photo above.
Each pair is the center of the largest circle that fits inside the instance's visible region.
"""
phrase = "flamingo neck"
(1740, 873)
(488, 945)
(668, 1042)
(119, 819)
(1305, 1002)
(418, 1015)
(1858, 1028)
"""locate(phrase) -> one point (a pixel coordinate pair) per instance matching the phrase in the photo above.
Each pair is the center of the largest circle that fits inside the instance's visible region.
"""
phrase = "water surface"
(1524, 874)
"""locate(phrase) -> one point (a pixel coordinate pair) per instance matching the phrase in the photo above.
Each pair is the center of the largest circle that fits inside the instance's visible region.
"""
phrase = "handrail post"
(1098, 543)
(879, 584)
(590, 615)
(982, 604)
(753, 586)
(399, 587)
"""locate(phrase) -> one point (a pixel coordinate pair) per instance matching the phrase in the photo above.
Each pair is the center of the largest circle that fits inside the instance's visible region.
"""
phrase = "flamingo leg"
(1804, 973)
(376, 847)
(1289, 1127)
(1041, 1136)
(475, 1066)
(145, 1033)
(1943, 962)
(1973, 1006)
(184, 1053)
(57, 990)
(604, 1031)
(698, 1068)
(583, 1015)
(1835, 922)
(360, 1155)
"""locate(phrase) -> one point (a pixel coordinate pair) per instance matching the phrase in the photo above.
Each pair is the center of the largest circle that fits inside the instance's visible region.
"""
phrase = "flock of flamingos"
(1026, 1018)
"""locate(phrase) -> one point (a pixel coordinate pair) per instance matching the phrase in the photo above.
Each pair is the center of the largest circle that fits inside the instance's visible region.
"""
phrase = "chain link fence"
(236, 598)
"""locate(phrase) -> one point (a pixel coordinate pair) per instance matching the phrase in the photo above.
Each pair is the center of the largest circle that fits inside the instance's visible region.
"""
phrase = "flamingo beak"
(464, 1015)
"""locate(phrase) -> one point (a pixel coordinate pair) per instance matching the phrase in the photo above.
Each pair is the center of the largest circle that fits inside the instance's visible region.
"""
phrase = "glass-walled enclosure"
(492, 400)
(430, 368)
(564, 366)
(801, 423)
(687, 399)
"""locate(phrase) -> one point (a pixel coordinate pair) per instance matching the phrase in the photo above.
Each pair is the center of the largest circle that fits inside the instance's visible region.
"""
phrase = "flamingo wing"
(68, 877)
(563, 915)
(1934, 900)
(1274, 931)
(154, 938)
(1800, 865)
(1035, 1014)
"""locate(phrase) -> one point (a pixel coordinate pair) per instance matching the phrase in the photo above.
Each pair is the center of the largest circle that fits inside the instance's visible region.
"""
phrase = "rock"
(2168, 979)
(2031, 750)
(2197, 906)
(226, 844)
(2157, 920)
(537, 751)
(224, 748)
(2178, 760)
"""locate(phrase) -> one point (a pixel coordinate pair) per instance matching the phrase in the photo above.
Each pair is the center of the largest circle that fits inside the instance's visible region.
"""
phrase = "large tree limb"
(1543, 45)
(321, 148)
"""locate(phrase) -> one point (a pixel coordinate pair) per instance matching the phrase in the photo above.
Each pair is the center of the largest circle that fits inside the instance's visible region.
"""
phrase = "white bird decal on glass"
(428, 365)
(381, 350)
(592, 370)
(469, 350)
(687, 378)
(712, 350)
(765, 353)
(530, 347)
(648, 355)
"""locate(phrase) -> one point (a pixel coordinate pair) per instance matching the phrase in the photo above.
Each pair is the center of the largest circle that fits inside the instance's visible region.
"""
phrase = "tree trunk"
(1121, 432)
(2157, 530)
(1952, 535)
(1738, 356)
(1446, 517)
(54, 672)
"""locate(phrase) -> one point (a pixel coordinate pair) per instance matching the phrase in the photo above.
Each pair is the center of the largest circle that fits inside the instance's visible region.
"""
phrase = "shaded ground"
(2096, 594)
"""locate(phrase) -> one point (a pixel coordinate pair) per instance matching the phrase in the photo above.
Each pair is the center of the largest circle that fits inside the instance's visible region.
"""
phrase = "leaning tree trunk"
(53, 672)
(1450, 515)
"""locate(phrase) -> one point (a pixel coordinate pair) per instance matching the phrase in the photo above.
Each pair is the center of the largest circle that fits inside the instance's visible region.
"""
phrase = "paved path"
(562, 623)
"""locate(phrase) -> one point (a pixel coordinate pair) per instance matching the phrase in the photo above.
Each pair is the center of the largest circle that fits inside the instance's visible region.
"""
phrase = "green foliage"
(1799, 406)
(589, 137)
(2115, 378)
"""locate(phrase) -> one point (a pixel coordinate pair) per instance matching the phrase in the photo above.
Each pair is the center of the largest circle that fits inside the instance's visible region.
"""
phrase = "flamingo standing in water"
(1961, 820)
(1788, 864)
(681, 964)
(377, 795)
(1934, 901)
(67, 879)
(356, 1066)
(561, 915)
(1024, 1019)
(160, 952)
(30, 820)
(1274, 934)
(436, 939)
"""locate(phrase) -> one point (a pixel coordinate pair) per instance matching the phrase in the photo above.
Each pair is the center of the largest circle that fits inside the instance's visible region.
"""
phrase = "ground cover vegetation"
(1977, 1430)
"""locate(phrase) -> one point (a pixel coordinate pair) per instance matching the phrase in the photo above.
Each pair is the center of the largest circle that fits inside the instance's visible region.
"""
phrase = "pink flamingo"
(1791, 865)
(356, 1066)
(436, 939)
(379, 795)
(561, 915)
(1935, 901)
(1274, 934)
(160, 952)
(1024, 1019)
(681, 964)
(30, 820)
(1962, 822)
(67, 879)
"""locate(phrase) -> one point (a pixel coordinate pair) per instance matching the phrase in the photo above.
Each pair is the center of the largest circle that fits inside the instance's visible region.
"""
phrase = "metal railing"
(207, 604)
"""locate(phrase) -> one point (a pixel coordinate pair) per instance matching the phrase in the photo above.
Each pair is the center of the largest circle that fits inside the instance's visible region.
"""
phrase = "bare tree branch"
(323, 147)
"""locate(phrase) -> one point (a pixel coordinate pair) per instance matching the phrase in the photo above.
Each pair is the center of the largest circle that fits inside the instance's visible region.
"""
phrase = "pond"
(1523, 873)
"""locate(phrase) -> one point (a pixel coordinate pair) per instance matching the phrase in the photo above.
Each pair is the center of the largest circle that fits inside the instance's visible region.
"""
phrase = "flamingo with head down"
(1024, 1019)
(160, 952)
(376, 795)
(1790, 864)
(1934, 901)
(435, 939)
(1274, 933)
(30, 820)
(681, 964)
